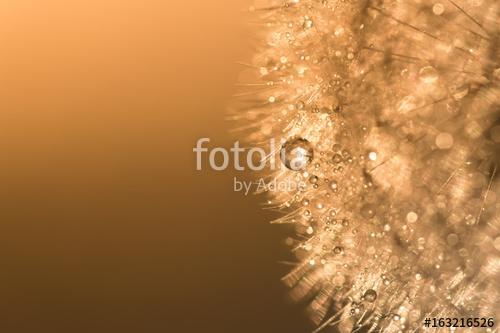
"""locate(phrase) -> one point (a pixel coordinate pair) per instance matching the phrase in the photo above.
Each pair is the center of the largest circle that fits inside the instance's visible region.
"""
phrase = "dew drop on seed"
(296, 154)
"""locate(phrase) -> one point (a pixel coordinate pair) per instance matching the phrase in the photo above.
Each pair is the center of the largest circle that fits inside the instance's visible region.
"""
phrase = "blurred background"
(106, 225)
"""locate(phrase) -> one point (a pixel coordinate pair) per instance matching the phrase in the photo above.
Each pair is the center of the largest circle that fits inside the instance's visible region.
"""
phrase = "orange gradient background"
(106, 225)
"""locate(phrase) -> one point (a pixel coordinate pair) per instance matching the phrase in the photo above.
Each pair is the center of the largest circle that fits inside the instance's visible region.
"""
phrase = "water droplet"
(412, 217)
(296, 154)
(438, 9)
(421, 243)
(334, 186)
(428, 74)
(452, 239)
(370, 295)
(368, 211)
(460, 92)
(444, 140)
(337, 158)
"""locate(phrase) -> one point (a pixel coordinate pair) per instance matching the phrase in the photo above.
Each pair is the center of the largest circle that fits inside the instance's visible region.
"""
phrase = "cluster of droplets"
(391, 113)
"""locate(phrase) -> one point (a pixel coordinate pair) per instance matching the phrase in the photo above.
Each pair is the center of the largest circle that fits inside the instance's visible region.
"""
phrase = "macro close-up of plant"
(390, 110)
